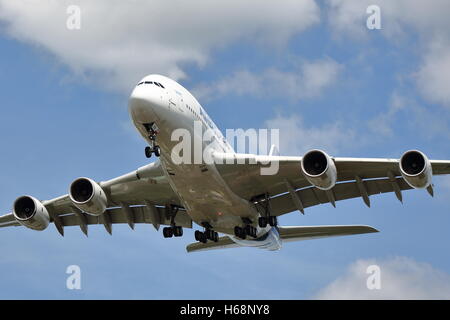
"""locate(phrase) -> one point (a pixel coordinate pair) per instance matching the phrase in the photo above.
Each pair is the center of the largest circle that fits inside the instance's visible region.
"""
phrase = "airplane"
(228, 195)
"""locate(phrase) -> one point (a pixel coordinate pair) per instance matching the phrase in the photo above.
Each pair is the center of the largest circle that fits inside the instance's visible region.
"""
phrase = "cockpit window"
(151, 82)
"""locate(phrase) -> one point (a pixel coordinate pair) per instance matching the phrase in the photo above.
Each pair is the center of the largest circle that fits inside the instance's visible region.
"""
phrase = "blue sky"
(312, 69)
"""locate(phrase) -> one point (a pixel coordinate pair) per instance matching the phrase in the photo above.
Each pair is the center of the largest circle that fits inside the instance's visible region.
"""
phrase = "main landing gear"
(248, 230)
(262, 204)
(153, 131)
(270, 220)
(173, 230)
(208, 234)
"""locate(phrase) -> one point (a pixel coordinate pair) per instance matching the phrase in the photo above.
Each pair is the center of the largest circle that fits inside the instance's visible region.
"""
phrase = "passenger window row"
(152, 82)
(192, 110)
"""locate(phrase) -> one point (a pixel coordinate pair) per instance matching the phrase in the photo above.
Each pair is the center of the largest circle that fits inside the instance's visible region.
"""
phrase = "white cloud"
(429, 122)
(382, 124)
(296, 138)
(433, 77)
(397, 17)
(307, 80)
(401, 278)
(428, 19)
(121, 41)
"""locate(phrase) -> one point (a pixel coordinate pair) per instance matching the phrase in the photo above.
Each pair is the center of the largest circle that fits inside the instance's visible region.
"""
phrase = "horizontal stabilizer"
(223, 243)
(288, 234)
(316, 232)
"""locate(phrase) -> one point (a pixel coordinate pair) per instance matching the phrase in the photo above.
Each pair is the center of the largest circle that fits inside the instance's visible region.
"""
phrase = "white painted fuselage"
(199, 186)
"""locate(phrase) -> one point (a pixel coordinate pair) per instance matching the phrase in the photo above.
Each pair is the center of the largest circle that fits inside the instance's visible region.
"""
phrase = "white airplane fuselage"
(199, 186)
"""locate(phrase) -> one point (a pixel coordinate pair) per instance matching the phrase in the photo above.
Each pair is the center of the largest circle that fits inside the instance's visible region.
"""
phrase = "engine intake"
(319, 169)
(416, 169)
(88, 196)
(31, 213)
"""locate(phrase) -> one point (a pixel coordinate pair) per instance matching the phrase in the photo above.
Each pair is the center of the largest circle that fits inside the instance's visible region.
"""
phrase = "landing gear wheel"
(168, 232)
(177, 231)
(273, 221)
(209, 234)
(254, 232)
(262, 222)
(216, 237)
(240, 233)
(251, 231)
(197, 235)
(157, 151)
(203, 238)
(148, 152)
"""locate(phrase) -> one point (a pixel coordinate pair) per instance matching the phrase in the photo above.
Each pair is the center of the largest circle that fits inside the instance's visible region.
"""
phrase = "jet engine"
(88, 196)
(31, 213)
(416, 169)
(319, 169)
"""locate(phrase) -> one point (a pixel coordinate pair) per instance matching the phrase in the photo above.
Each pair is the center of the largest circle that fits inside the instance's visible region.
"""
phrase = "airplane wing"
(141, 196)
(145, 196)
(288, 234)
(289, 189)
(8, 220)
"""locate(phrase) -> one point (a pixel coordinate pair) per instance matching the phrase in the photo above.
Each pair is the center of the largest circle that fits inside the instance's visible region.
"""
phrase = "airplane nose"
(145, 102)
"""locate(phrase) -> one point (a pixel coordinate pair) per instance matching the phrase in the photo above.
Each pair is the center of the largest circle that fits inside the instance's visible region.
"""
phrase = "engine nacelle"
(31, 213)
(416, 169)
(88, 196)
(319, 169)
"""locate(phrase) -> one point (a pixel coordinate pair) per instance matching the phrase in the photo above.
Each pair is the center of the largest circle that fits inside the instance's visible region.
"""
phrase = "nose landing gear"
(152, 131)
(150, 150)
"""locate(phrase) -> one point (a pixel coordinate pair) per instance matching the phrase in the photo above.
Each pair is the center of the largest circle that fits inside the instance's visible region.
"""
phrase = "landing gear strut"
(262, 204)
(173, 230)
(153, 131)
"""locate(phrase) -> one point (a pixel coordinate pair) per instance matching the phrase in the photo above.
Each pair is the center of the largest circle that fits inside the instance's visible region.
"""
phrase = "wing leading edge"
(289, 190)
(141, 196)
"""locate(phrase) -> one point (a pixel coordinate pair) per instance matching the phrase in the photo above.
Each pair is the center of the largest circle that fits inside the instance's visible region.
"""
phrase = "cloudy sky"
(310, 68)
